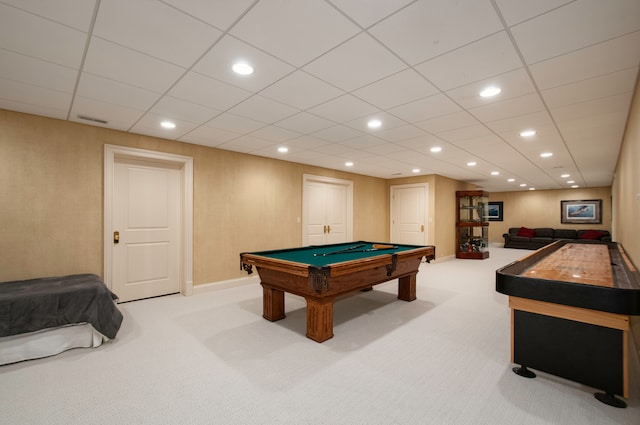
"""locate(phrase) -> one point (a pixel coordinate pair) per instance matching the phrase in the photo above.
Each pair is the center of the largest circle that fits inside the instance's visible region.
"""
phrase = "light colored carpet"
(212, 359)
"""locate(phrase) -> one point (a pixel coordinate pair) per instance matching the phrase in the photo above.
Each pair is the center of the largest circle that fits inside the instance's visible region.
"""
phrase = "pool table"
(321, 273)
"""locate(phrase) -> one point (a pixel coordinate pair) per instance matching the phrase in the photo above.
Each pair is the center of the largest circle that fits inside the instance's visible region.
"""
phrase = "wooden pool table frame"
(320, 286)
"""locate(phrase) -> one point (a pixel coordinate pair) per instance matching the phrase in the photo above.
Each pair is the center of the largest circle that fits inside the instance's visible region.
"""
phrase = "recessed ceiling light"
(495, 173)
(564, 176)
(374, 123)
(511, 180)
(471, 164)
(528, 133)
(436, 149)
(574, 186)
(283, 149)
(349, 164)
(546, 154)
(570, 181)
(523, 185)
(242, 68)
(532, 188)
(168, 125)
(415, 170)
(490, 91)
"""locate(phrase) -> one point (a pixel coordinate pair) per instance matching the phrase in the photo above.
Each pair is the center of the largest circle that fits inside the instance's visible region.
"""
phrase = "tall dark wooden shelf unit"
(472, 225)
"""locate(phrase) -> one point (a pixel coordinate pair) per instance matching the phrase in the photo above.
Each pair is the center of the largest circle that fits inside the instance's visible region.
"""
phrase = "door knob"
(422, 228)
(116, 237)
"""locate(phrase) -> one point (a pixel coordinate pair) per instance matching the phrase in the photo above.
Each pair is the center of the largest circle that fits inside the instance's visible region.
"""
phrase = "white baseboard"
(225, 284)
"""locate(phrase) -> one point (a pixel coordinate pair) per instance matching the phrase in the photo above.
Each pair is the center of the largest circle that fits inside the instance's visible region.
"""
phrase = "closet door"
(327, 210)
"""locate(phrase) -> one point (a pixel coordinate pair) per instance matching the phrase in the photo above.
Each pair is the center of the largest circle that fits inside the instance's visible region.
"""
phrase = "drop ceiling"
(324, 68)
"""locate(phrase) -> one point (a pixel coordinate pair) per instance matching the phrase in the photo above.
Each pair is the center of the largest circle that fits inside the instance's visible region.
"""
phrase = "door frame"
(185, 163)
(306, 178)
(427, 222)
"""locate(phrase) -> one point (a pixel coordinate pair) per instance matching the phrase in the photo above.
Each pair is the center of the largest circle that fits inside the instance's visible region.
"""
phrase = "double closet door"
(327, 210)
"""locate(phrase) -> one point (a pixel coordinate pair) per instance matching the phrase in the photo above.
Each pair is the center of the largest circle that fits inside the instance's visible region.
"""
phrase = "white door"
(327, 210)
(408, 214)
(146, 225)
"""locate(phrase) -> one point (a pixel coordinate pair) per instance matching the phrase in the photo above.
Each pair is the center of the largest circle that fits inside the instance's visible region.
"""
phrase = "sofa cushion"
(591, 234)
(565, 234)
(525, 232)
(544, 232)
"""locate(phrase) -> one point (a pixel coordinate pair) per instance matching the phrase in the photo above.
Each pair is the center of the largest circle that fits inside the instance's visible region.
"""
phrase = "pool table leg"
(320, 319)
(272, 303)
(407, 288)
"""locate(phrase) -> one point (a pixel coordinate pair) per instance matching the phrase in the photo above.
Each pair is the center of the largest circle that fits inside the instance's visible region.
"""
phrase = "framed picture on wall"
(495, 211)
(581, 212)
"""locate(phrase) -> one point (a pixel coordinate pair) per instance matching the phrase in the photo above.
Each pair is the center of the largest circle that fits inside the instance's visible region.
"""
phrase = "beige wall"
(51, 208)
(626, 186)
(541, 208)
(51, 213)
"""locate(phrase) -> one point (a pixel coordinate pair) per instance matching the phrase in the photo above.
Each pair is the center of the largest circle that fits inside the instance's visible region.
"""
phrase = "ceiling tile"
(209, 136)
(217, 63)
(59, 11)
(593, 88)
(416, 33)
(388, 121)
(513, 84)
(264, 110)
(509, 108)
(366, 14)
(40, 38)
(613, 55)
(149, 125)
(400, 133)
(32, 99)
(143, 25)
(366, 60)
(208, 92)
(343, 108)
(24, 69)
(116, 93)
(485, 58)
(118, 63)
(403, 87)
(275, 134)
(515, 11)
(305, 123)
(426, 108)
(220, 13)
(171, 107)
(337, 133)
(447, 122)
(591, 21)
(301, 90)
(294, 31)
(245, 144)
(120, 118)
(234, 123)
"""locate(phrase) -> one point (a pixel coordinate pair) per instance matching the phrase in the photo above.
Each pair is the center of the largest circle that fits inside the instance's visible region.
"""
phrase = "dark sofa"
(525, 238)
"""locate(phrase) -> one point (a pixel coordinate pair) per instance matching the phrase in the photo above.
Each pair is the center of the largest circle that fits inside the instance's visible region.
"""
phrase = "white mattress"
(48, 342)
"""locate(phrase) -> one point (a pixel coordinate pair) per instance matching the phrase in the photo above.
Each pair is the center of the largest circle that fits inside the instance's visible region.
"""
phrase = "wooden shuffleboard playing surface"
(571, 304)
(578, 263)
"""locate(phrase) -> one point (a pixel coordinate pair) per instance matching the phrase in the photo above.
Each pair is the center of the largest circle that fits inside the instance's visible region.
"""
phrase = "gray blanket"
(35, 304)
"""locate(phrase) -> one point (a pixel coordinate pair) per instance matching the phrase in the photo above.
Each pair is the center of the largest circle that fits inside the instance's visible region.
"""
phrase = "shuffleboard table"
(571, 307)
(322, 273)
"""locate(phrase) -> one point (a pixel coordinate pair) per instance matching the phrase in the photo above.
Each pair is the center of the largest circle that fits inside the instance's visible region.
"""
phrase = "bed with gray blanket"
(45, 316)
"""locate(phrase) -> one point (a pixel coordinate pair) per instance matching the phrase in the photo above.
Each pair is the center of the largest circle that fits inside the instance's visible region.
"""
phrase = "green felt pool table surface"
(326, 255)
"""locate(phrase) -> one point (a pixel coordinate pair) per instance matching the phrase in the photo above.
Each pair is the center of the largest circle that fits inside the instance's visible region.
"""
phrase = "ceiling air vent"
(84, 117)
